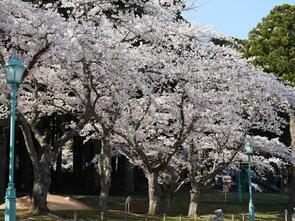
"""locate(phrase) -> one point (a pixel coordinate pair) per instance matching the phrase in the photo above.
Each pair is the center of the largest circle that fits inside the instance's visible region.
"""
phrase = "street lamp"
(13, 70)
(249, 151)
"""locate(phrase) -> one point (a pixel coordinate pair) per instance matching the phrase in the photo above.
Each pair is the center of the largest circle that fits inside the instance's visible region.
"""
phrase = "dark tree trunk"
(58, 171)
(96, 180)
(25, 168)
(170, 202)
(129, 178)
(292, 185)
(41, 186)
(89, 170)
(3, 163)
(78, 163)
(154, 193)
(194, 200)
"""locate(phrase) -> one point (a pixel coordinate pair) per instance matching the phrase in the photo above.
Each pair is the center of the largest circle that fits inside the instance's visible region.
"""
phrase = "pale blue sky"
(232, 17)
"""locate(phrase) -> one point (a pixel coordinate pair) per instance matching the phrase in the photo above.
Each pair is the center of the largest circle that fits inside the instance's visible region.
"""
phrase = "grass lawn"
(268, 207)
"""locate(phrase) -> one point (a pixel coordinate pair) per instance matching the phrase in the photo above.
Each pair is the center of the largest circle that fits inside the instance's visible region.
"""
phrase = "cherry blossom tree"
(128, 70)
(207, 160)
(152, 83)
(198, 89)
(46, 92)
(104, 78)
(222, 135)
(30, 32)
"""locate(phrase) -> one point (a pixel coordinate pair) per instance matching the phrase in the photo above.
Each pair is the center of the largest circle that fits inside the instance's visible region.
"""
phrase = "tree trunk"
(104, 170)
(41, 186)
(104, 192)
(292, 185)
(40, 164)
(170, 202)
(78, 163)
(194, 200)
(25, 168)
(3, 163)
(58, 172)
(154, 195)
(96, 179)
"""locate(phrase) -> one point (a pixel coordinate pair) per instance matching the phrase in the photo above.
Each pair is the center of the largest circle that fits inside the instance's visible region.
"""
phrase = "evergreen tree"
(272, 42)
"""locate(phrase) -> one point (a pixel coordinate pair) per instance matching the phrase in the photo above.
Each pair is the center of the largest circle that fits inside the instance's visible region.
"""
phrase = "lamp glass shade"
(248, 147)
(14, 70)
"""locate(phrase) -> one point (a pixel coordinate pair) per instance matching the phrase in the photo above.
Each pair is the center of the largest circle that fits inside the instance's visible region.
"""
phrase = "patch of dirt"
(54, 203)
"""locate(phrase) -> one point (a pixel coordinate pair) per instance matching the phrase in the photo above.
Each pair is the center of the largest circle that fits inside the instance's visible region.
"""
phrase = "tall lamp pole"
(249, 151)
(13, 70)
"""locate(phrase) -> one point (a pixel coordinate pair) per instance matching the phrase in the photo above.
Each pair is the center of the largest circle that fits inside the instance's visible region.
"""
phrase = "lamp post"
(13, 70)
(249, 151)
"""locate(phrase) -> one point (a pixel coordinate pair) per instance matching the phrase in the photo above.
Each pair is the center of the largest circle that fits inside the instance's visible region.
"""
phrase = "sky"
(232, 17)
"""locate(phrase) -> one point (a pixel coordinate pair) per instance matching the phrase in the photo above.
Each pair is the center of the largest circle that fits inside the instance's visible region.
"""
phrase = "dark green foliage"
(125, 6)
(235, 43)
(55, 3)
(41, 2)
(222, 42)
(1, 59)
(272, 43)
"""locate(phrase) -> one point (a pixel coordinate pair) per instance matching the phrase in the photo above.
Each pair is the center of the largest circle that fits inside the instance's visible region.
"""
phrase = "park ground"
(268, 207)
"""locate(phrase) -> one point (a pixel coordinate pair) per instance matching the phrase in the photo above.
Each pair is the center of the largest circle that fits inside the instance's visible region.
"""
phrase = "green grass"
(268, 207)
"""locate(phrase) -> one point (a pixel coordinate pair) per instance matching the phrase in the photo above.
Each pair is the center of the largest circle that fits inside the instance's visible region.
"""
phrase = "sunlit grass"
(268, 207)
